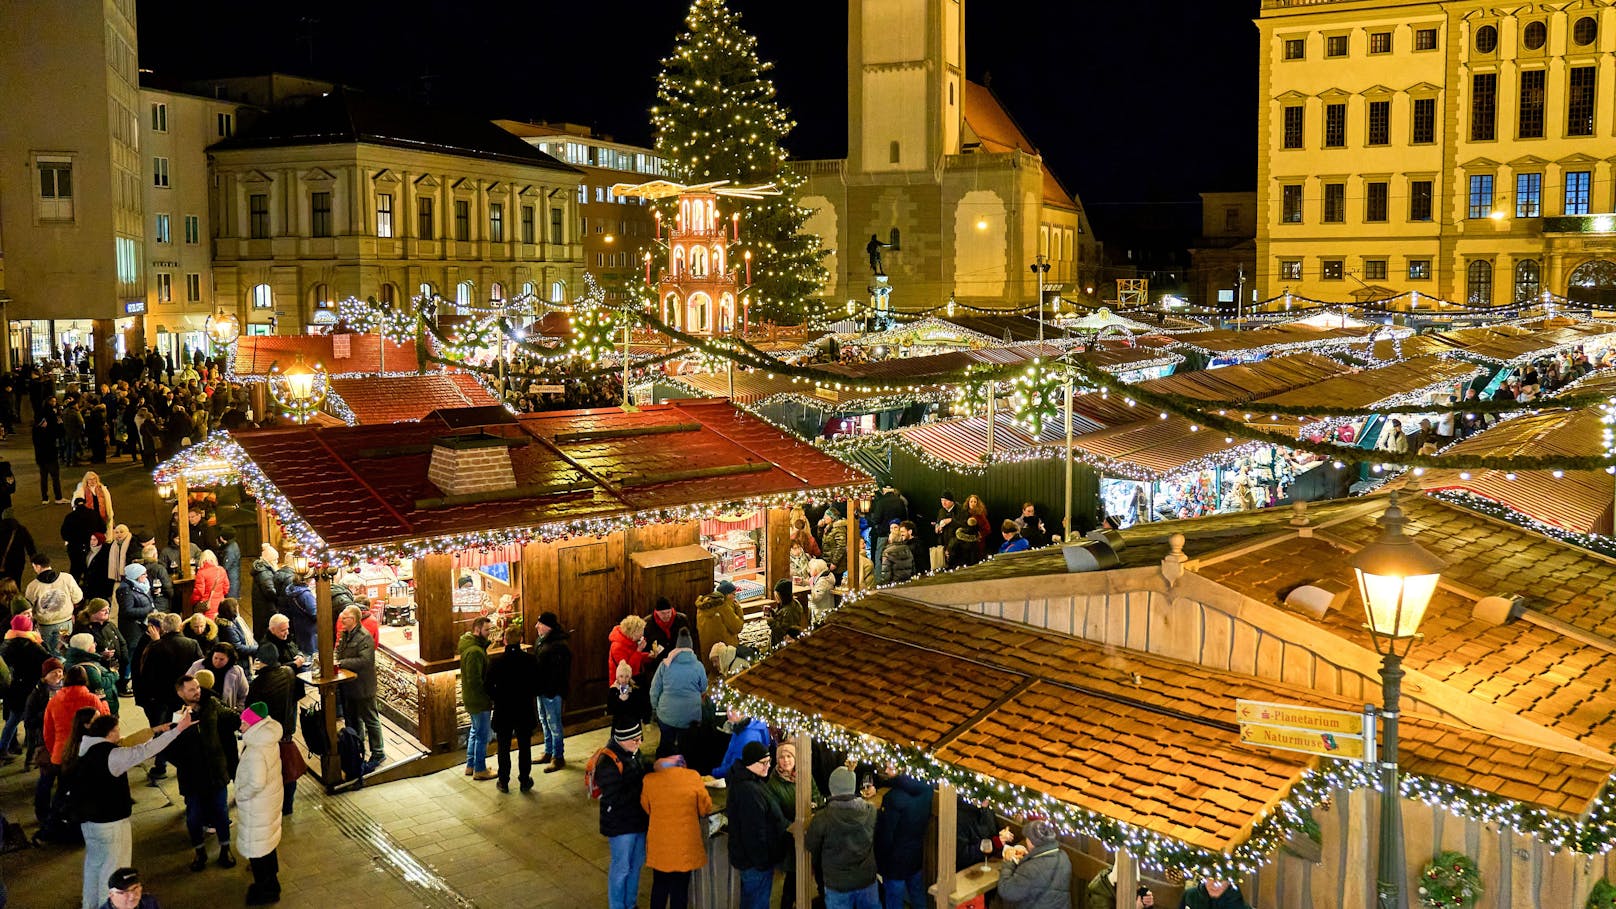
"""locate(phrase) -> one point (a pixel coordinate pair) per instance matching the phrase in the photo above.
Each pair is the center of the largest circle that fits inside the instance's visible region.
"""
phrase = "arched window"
(893, 238)
(1479, 283)
(322, 296)
(463, 292)
(427, 290)
(387, 294)
(699, 320)
(698, 261)
(892, 152)
(263, 297)
(496, 291)
(529, 290)
(1528, 280)
(558, 292)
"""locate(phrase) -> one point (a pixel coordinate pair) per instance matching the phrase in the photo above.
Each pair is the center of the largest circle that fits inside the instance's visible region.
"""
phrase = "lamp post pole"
(1040, 267)
(1392, 865)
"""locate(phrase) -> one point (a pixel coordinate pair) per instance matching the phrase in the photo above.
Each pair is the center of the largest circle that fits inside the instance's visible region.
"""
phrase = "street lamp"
(1396, 578)
(1040, 267)
(299, 389)
(223, 328)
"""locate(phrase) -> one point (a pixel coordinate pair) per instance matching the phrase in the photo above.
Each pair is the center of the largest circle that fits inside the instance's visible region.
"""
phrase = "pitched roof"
(347, 116)
(998, 132)
(254, 355)
(395, 399)
(1368, 387)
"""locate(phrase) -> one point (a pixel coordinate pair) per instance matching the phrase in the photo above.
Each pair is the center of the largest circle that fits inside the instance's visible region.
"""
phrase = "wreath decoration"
(1450, 881)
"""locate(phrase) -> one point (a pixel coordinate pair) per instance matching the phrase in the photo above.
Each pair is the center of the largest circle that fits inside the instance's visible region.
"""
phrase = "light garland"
(369, 317)
(1593, 542)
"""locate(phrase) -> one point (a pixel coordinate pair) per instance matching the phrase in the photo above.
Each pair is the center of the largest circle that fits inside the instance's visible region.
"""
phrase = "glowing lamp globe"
(298, 561)
(223, 328)
(299, 381)
(1396, 578)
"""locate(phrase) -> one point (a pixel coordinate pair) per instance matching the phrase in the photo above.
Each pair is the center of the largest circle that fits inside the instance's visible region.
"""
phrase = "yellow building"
(1458, 149)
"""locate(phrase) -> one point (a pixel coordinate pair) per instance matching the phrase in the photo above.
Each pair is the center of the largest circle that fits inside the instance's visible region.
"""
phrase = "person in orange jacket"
(75, 694)
(676, 801)
(212, 585)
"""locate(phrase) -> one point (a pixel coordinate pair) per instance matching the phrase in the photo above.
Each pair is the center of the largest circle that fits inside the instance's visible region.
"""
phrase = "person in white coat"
(258, 802)
(821, 583)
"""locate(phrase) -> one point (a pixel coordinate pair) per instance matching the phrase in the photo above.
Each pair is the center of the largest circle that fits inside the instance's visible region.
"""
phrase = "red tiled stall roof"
(256, 354)
(367, 485)
(395, 399)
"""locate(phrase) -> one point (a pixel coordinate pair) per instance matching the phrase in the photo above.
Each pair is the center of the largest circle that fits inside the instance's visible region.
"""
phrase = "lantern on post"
(223, 328)
(299, 389)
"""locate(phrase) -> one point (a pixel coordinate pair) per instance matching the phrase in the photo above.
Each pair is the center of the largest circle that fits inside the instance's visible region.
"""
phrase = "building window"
(427, 291)
(463, 292)
(1419, 200)
(322, 296)
(1425, 39)
(165, 287)
(1479, 283)
(1335, 125)
(1528, 195)
(1295, 48)
(55, 189)
(1528, 280)
(1481, 195)
(892, 153)
(1375, 197)
(1335, 45)
(386, 295)
(583, 193)
(1580, 101)
(1290, 269)
(1577, 183)
(558, 292)
(1531, 117)
(1331, 269)
(496, 222)
(1374, 269)
(528, 235)
(1423, 130)
(258, 216)
(384, 215)
(1380, 123)
(558, 233)
(160, 172)
(1486, 39)
(159, 117)
(462, 220)
(320, 214)
(1535, 35)
(1231, 224)
(1290, 205)
(226, 125)
(1335, 203)
(496, 291)
(424, 227)
(160, 231)
(1483, 107)
(193, 230)
(1584, 31)
(1293, 125)
(263, 297)
(530, 291)
(1419, 269)
(193, 288)
(1380, 42)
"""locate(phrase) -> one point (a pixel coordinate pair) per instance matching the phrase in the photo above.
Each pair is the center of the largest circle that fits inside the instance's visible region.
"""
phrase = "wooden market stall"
(591, 513)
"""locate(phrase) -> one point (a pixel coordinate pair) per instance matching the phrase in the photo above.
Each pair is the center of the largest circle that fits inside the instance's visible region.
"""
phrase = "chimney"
(470, 464)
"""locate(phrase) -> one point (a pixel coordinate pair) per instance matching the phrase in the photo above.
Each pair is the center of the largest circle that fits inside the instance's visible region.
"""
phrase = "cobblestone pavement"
(435, 841)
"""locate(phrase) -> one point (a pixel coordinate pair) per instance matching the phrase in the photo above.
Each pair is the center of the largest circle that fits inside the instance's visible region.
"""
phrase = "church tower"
(905, 83)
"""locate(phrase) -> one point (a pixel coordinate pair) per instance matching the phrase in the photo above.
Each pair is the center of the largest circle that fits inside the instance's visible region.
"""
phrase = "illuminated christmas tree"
(718, 120)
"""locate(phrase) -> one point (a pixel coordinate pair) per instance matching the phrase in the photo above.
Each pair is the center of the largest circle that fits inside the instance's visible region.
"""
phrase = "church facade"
(940, 190)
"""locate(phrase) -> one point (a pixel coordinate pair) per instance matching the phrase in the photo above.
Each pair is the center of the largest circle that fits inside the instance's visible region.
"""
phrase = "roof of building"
(257, 355)
(396, 399)
(1290, 336)
(348, 116)
(367, 486)
(1516, 343)
(1365, 388)
(1240, 382)
(998, 132)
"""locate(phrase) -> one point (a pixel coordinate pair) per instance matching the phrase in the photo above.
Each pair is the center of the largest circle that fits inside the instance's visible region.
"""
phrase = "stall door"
(590, 582)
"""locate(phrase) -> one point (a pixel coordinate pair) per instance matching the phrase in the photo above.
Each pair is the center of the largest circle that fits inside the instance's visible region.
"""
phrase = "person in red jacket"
(212, 585)
(629, 645)
(63, 705)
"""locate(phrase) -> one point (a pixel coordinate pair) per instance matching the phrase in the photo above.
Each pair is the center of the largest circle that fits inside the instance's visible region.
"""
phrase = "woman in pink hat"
(258, 802)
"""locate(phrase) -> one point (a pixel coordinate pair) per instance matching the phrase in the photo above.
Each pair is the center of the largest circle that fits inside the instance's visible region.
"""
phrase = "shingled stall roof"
(257, 355)
(1508, 344)
(753, 387)
(395, 399)
(364, 489)
(1139, 739)
(1368, 387)
(1292, 336)
(1241, 382)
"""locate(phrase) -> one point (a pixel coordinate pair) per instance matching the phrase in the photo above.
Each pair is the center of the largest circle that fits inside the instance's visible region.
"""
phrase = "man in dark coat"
(266, 589)
(275, 686)
(513, 685)
(757, 827)
(662, 627)
(203, 768)
(885, 510)
(167, 657)
(554, 656)
(78, 529)
(356, 652)
(16, 548)
(619, 772)
(840, 838)
(900, 839)
(8, 480)
(47, 435)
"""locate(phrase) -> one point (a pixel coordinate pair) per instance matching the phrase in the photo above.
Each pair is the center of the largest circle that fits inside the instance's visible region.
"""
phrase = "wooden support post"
(258, 397)
(947, 833)
(183, 493)
(804, 793)
(326, 641)
(855, 545)
(1127, 879)
(434, 607)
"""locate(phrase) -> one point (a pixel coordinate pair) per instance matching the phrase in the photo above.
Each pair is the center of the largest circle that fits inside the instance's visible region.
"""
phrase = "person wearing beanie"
(949, 515)
(618, 772)
(1214, 894)
(81, 651)
(966, 546)
(662, 627)
(1011, 538)
(675, 801)
(786, 619)
(554, 655)
(101, 800)
(53, 596)
(821, 590)
(757, 828)
(1040, 877)
(744, 730)
(25, 656)
(111, 649)
(513, 687)
(157, 574)
(259, 794)
(135, 605)
(473, 652)
(677, 690)
(33, 713)
(841, 839)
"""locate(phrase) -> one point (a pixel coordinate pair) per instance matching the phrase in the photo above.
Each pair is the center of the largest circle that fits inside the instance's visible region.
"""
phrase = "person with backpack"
(356, 652)
(615, 776)
(98, 785)
(513, 687)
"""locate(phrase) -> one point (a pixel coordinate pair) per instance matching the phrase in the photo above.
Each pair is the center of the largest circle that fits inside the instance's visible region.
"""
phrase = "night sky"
(1135, 102)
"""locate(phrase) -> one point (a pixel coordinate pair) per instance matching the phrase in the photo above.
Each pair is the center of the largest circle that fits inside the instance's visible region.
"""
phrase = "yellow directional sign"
(1340, 722)
(1349, 747)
